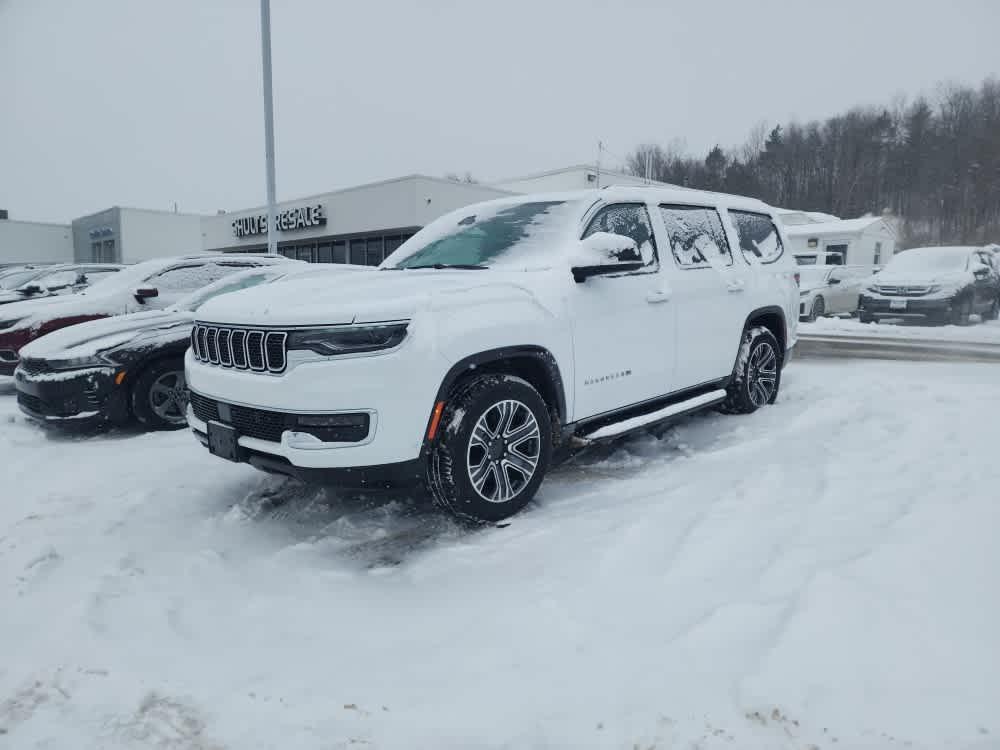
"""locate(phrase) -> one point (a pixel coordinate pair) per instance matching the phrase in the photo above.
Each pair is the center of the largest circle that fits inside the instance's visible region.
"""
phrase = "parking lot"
(824, 571)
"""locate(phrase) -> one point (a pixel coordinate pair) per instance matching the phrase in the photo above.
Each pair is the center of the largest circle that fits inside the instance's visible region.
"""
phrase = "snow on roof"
(842, 226)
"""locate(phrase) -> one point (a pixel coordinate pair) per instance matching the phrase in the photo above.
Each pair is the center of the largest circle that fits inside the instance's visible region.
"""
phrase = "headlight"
(76, 363)
(5, 324)
(349, 340)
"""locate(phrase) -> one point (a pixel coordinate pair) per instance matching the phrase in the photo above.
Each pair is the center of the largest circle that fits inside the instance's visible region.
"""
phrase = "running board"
(615, 429)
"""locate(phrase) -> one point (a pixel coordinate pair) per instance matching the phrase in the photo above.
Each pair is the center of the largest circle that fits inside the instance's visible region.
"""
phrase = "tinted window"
(759, 237)
(696, 236)
(628, 220)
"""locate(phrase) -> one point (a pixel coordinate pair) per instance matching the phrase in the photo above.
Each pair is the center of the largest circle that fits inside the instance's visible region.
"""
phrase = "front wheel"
(492, 450)
(757, 376)
(160, 396)
(962, 314)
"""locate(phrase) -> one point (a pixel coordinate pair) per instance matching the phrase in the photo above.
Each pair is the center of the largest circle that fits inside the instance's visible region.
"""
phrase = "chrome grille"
(240, 348)
(902, 291)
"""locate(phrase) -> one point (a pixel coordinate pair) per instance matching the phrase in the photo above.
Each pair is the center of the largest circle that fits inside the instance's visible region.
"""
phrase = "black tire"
(475, 415)
(147, 406)
(818, 309)
(865, 318)
(757, 375)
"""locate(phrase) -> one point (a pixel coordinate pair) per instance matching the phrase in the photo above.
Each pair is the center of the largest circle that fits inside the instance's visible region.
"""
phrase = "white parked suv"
(499, 338)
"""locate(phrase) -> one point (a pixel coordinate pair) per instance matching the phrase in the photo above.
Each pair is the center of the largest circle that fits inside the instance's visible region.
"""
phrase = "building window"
(108, 256)
(95, 252)
(358, 252)
(878, 254)
(374, 253)
(340, 251)
(324, 253)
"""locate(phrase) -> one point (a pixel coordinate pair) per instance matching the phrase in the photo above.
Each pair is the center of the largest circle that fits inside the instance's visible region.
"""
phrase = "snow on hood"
(97, 335)
(354, 298)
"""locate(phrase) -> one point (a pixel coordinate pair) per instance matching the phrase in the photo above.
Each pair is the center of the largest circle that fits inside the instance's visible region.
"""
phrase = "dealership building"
(361, 224)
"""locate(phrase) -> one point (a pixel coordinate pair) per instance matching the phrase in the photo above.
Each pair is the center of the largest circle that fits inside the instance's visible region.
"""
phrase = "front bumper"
(396, 391)
(74, 396)
(939, 308)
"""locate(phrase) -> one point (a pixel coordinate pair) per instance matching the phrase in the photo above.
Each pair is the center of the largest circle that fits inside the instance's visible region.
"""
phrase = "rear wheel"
(758, 373)
(818, 309)
(492, 449)
(160, 396)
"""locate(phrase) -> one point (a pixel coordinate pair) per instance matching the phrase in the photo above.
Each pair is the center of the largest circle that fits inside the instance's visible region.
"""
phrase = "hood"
(9, 296)
(355, 298)
(921, 278)
(96, 335)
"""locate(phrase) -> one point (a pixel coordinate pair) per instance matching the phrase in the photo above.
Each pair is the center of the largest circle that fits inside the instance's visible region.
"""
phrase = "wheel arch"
(535, 364)
(771, 317)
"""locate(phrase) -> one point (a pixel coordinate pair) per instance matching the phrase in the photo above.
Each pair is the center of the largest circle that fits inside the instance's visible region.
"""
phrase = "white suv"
(499, 338)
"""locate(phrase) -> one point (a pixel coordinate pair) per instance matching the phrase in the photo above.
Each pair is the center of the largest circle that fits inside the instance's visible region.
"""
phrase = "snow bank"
(988, 332)
(822, 573)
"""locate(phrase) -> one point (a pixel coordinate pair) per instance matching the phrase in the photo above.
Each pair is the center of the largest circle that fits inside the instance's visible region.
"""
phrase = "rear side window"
(759, 237)
(628, 220)
(696, 236)
(185, 279)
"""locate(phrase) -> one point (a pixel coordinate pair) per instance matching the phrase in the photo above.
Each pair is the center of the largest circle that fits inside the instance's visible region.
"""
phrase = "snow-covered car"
(61, 279)
(934, 284)
(151, 285)
(499, 338)
(831, 290)
(130, 366)
(11, 277)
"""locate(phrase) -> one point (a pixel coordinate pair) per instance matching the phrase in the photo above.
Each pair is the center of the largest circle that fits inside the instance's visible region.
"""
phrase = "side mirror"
(834, 280)
(604, 253)
(144, 293)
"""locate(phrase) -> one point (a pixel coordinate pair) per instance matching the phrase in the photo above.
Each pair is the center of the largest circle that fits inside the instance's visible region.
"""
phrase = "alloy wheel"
(503, 451)
(762, 373)
(168, 397)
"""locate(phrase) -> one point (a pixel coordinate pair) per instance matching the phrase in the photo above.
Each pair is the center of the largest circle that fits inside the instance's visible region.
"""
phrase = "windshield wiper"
(448, 266)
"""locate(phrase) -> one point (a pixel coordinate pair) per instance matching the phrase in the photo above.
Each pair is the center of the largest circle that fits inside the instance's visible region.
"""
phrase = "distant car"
(819, 258)
(131, 366)
(831, 290)
(152, 285)
(934, 284)
(61, 279)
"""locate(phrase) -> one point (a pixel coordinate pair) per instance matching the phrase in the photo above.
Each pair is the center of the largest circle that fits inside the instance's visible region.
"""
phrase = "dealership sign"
(304, 217)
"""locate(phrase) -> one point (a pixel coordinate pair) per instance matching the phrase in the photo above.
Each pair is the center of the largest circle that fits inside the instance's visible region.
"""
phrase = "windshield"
(16, 279)
(813, 276)
(232, 283)
(929, 259)
(488, 236)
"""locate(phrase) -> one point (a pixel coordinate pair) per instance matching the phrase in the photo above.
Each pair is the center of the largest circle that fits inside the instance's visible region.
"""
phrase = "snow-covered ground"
(986, 332)
(821, 574)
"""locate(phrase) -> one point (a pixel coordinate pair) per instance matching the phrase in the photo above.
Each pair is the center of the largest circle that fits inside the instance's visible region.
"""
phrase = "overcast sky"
(141, 103)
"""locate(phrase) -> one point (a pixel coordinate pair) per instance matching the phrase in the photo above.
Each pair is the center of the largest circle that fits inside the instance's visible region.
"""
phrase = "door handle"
(660, 295)
(736, 285)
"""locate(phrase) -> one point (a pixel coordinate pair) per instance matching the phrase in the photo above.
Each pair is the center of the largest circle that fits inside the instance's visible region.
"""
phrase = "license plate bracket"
(897, 304)
(223, 441)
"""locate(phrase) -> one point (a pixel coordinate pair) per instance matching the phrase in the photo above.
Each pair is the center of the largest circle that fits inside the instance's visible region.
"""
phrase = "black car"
(130, 366)
(935, 285)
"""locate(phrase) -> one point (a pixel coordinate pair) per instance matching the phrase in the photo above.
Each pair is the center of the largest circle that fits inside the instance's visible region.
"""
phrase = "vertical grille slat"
(240, 348)
(238, 341)
(225, 354)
